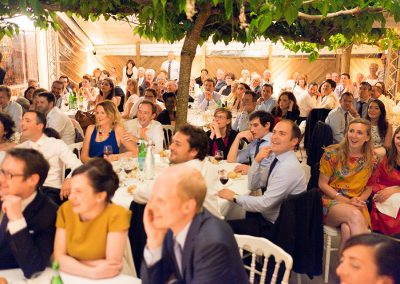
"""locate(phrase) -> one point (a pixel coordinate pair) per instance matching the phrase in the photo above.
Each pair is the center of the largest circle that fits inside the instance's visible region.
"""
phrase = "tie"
(360, 109)
(346, 115)
(169, 70)
(258, 147)
(3, 227)
(178, 255)
(269, 173)
(143, 131)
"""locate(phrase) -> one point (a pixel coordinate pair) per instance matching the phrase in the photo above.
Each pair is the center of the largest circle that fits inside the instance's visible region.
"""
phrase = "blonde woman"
(344, 172)
(106, 132)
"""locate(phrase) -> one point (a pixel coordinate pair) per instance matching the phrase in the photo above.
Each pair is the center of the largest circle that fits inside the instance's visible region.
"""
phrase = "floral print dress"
(349, 180)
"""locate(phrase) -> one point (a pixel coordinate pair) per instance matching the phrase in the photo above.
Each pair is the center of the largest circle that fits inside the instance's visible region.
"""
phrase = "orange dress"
(350, 180)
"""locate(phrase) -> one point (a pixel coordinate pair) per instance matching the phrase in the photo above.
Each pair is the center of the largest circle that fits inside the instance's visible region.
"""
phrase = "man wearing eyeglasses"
(27, 217)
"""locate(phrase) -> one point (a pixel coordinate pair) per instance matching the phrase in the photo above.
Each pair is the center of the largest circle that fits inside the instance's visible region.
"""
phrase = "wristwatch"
(234, 198)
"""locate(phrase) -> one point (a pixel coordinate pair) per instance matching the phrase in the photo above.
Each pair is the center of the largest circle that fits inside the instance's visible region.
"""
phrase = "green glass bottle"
(56, 279)
(142, 154)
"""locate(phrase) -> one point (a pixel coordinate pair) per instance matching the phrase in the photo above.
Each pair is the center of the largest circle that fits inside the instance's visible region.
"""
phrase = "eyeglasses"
(8, 175)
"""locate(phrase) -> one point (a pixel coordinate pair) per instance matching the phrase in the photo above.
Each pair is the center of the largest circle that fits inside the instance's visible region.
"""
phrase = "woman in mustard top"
(91, 231)
(344, 172)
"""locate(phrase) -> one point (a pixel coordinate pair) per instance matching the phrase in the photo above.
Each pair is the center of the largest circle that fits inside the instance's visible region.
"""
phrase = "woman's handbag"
(85, 119)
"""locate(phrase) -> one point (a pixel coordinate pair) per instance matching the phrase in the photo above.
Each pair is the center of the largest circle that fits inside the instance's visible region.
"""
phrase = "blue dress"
(96, 149)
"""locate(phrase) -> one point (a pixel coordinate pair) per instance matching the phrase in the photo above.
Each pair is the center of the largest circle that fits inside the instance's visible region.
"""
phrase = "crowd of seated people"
(255, 123)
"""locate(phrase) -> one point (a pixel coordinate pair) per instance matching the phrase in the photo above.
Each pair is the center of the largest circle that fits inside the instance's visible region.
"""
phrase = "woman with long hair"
(381, 129)
(234, 100)
(301, 86)
(106, 132)
(107, 92)
(384, 183)
(344, 172)
(7, 130)
(129, 71)
(221, 135)
(286, 108)
(87, 91)
(131, 96)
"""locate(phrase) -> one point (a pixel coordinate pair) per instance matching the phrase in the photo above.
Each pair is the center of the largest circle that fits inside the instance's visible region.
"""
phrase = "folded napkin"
(390, 206)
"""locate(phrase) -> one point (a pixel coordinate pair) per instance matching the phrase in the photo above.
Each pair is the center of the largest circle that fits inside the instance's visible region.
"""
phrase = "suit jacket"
(298, 231)
(30, 249)
(210, 255)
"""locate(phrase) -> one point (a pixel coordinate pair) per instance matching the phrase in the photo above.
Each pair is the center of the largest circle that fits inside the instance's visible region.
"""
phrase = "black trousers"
(254, 225)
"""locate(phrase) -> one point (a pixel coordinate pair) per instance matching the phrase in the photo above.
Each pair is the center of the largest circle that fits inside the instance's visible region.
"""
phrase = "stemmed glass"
(219, 155)
(223, 176)
(107, 151)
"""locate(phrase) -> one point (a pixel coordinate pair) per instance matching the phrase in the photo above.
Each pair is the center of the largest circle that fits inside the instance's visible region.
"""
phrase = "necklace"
(102, 135)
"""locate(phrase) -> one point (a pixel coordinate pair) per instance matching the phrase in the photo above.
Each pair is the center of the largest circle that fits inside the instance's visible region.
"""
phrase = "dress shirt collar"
(5, 109)
(38, 143)
(284, 156)
(51, 112)
(195, 163)
(181, 236)
(267, 136)
(140, 126)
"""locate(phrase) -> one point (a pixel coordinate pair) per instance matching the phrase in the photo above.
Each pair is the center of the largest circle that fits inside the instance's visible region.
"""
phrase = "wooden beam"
(138, 57)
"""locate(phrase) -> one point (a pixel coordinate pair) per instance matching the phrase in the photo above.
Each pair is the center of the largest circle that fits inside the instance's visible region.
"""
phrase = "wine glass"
(107, 151)
(219, 155)
(223, 176)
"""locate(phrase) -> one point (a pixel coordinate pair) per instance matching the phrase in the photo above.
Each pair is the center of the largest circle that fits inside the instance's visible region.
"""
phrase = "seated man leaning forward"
(27, 216)
(258, 136)
(190, 147)
(185, 242)
(282, 178)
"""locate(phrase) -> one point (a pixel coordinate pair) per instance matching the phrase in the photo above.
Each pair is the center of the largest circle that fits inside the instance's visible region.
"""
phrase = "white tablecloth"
(228, 209)
(15, 276)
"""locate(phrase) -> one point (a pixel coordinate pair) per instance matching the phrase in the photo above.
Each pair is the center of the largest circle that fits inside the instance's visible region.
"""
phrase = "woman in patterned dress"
(344, 171)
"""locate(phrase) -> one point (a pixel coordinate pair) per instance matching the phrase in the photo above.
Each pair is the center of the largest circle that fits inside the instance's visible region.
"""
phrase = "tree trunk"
(187, 55)
(345, 62)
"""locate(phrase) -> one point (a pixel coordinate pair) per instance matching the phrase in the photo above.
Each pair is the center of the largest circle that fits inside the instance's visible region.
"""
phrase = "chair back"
(298, 230)
(321, 137)
(315, 115)
(76, 148)
(168, 133)
(264, 248)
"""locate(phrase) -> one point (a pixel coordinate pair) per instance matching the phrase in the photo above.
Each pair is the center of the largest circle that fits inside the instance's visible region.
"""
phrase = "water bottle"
(150, 166)
(142, 154)
(56, 279)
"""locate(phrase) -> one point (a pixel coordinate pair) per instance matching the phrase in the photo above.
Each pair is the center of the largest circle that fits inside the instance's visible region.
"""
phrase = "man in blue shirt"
(266, 101)
(282, 178)
(259, 136)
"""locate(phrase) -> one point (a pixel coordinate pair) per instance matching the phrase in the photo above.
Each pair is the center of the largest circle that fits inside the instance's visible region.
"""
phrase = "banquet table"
(15, 276)
(142, 190)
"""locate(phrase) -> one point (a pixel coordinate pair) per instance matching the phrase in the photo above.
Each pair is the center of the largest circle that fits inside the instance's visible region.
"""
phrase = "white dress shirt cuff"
(16, 226)
(152, 256)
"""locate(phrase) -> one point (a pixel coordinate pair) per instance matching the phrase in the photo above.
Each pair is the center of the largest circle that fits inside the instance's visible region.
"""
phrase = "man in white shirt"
(144, 126)
(55, 151)
(171, 86)
(377, 94)
(339, 118)
(189, 147)
(150, 95)
(329, 100)
(345, 85)
(249, 102)
(171, 66)
(13, 109)
(307, 101)
(209, 98)
(57, 89)
(266, 102)
(267, 77)
(56, 119)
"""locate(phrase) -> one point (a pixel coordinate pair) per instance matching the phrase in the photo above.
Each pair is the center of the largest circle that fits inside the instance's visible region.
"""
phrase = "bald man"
(184, 241)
